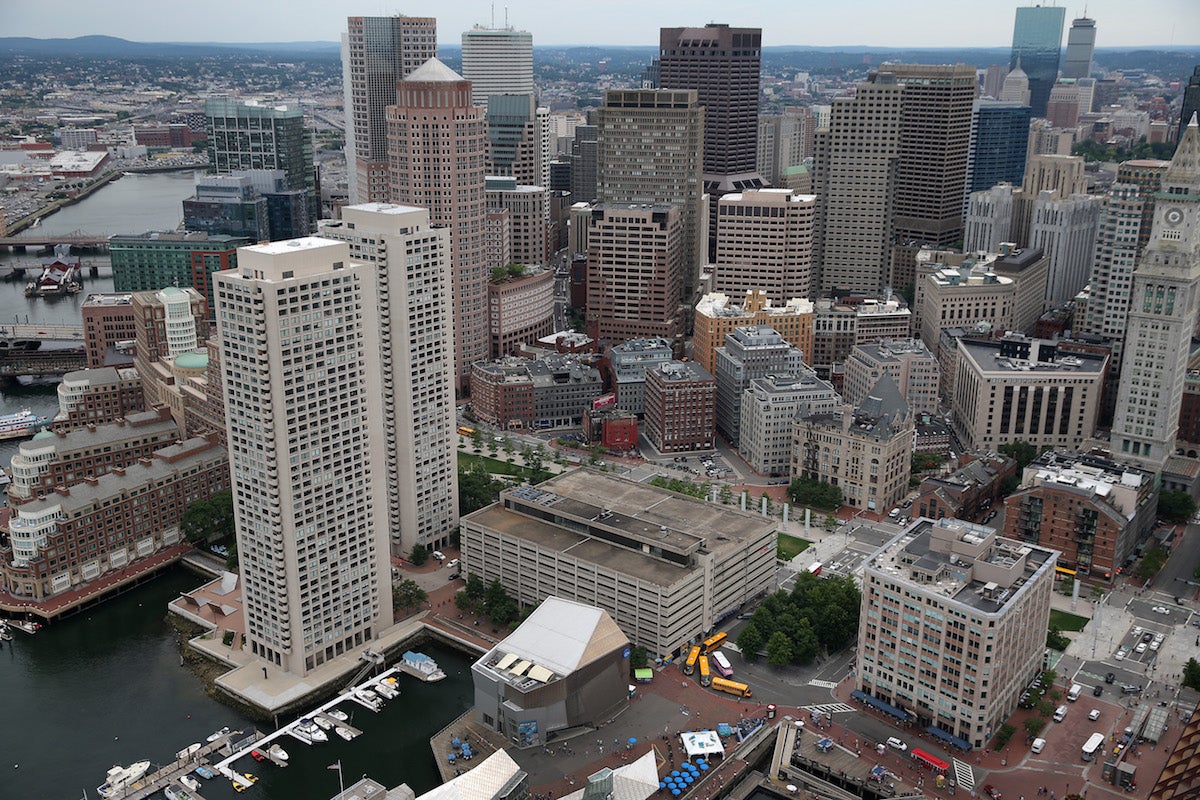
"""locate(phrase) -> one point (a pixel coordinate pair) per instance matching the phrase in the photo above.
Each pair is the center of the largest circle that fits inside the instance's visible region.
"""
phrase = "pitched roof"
(563, 635)
(884, 398)
(1185, 164)
(433, 71)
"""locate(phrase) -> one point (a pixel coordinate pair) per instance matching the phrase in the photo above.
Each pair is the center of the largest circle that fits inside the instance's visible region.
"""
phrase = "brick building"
(681, 408)
(108, 321)
(97, 396)
(968, 492)
(520, 310)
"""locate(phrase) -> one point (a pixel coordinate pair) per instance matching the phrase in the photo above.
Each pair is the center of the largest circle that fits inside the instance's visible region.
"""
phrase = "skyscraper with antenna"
(497, 60)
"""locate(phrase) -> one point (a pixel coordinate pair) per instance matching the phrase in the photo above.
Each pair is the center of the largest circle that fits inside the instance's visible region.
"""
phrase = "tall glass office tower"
(1037, 41)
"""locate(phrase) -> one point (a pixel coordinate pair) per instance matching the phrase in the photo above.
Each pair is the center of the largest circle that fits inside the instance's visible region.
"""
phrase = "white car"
(1120, 654)
(1094, 714)
(1141, 647)
(439, 555)
(1161, 610)
(1155, 645)
(452, 563)
(896, 744)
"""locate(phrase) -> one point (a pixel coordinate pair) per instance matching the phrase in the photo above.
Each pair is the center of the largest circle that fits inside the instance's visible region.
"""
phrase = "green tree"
(638, 657)
(805, 646)
(1034, 725)
(750, 641)
(476, 590)
(1020, 451)
(1176, 506)
(476, 488)
(419, 554)
(808, 492)
(725, 495)
(1044, 708)
(408, 594)
(498, 274)
(1191, 674)
(231, 558)
(1056, 641)
(779, 649)
(515, 270)
(1152, 561)
(924, 462)
(209, 521)
(1002, 736)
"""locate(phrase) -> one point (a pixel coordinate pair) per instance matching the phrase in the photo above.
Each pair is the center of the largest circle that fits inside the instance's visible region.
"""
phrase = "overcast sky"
(924, 23)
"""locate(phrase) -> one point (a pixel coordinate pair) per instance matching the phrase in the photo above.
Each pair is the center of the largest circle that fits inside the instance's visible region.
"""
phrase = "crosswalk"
(964, 774)
(823, 684)
(830, 708)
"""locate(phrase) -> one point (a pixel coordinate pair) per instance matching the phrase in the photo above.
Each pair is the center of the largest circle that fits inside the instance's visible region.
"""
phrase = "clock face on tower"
(1173, 216)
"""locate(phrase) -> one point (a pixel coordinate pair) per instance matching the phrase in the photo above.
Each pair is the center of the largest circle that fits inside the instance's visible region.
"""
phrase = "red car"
(991, 792)
(258, 755)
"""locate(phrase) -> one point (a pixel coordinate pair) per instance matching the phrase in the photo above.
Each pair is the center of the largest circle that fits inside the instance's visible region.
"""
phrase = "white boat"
(278, 752)
(187, 751)
(343, 732)
(120, 778)
(368, 699)
(223, 732)
(309, 728)
(367, 693)
(190, 783)
(173, 793)
(323, 723)
(338, 714)
(386, 689)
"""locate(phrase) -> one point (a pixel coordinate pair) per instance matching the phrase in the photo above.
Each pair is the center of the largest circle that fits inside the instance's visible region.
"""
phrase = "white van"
(1038, 745)
(1073, 695)
(1060, 713)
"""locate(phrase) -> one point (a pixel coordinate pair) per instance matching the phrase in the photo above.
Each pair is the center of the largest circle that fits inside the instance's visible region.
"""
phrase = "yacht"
(190, 783)
(278, 752)
(309, 728)
(223, 732)
(120, 778)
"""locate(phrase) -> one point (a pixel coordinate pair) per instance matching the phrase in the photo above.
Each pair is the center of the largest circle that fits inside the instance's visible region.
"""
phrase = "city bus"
(732, 687)
(689, 666)
(705, 675)
(721, 664)
(714, 641)
(1092, 745)
(463, 430)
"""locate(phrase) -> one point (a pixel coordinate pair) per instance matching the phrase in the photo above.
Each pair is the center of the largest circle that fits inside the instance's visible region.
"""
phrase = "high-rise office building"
(1062, 109)
(784, 141)
(411, 259)
(1081, 43)
(249, 136)
(1191, 102)
(1162, 315)
(722, 64)
(650, 151)
(854, 172)
(304, 416)
(1113, 262)
(1146, 174)
(753, 351)
(585, 156)
(1037, 42)
(497, 61)
(765, 243)
(376, 53)
(1065, 229)
(1015, 88)
(519, 143)
(999, 141)
(437, 151)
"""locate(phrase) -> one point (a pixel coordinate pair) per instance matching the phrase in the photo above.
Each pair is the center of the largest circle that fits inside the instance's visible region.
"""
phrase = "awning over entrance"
(949, 738)
(886, 708)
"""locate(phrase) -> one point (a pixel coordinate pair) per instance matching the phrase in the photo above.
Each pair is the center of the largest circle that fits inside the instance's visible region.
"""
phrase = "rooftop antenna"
(493, 16)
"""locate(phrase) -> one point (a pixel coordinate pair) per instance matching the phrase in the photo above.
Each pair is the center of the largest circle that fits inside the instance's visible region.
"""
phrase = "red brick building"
(680, 407)
(108, 319)
(612, 428)
(97, 396)
(502, 393)
(967, 493)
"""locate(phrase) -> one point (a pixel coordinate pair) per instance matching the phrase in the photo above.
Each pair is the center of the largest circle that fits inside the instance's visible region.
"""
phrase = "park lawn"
(791, 546)
(492, 465)
(1067, 622)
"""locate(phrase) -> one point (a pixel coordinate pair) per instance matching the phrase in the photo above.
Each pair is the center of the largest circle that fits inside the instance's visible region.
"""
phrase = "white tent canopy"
(702, 743)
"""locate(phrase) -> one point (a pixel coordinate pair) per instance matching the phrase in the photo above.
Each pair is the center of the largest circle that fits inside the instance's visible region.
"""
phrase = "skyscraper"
(518, 138)
(1191, 102)
(304, 416)
(999, 139)
(1037, 42)
(249, 136)
(854, 174)
(411, 260)
(1081, 42)
(722, 64)
(1113, 263)
(1064, 228)
(497, 61)
(764, 243)
(1162, 315)
(437, 147)
(376, 53)
(650, 151)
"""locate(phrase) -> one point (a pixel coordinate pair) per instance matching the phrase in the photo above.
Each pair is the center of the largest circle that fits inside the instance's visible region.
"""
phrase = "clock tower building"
(1163, 310)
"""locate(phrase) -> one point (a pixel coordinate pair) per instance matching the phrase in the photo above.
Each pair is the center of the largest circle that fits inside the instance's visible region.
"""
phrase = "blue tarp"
(950, 738)
(886, 708)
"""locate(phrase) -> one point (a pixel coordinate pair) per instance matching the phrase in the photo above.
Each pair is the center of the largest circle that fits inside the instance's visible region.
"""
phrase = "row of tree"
(794, 627)
(490, 601)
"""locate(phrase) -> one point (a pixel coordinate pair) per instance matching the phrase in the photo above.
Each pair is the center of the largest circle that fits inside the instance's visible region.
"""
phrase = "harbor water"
(106, 687)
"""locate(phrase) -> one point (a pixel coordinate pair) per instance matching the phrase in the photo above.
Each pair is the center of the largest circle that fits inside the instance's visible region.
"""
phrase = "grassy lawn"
(1066, 622)
(791, 546)
(492, 465)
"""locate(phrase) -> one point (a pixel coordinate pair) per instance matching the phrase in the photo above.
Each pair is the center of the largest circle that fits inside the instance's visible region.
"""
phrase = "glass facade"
(1037, 42)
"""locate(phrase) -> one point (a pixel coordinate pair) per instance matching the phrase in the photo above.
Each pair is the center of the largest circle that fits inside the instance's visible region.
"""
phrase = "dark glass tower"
(1191, 102)
(999, 141)
(722, 64)
(1037, 41)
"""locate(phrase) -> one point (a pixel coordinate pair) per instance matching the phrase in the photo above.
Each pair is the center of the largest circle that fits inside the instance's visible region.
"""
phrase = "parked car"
(452, 563)
(1094, 714)
(1097, 690)
(439, 555)
(1141, 647)
(896, 744)
(991, 791)
(1120, 654)
(1110, 677)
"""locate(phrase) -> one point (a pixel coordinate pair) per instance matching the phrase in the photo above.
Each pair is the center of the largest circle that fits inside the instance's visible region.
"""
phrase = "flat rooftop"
(988, 356)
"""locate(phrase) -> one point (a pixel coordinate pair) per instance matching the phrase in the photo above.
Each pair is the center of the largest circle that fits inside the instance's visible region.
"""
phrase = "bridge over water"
(34, 237)
(59, 333)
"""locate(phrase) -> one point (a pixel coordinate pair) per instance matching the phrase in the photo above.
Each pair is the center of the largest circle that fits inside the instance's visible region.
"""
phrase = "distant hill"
(114, 47)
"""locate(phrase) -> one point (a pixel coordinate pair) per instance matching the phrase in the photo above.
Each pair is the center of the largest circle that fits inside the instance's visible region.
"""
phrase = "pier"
(171, 773)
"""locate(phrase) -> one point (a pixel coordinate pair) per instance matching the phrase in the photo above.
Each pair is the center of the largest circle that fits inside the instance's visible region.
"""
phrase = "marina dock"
(170, 774)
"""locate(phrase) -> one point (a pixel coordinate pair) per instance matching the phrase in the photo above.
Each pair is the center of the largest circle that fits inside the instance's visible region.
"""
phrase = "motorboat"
(310, 729)
(173, 793)
(205, 772)
(223, 732)
(249, 779)
(190, 783)
(387, 690)
(278, 753)
(323, 723)
(367, 693)
(368, 699)
(338, 714)
(119, 778)
(343, 732)
(188, 751)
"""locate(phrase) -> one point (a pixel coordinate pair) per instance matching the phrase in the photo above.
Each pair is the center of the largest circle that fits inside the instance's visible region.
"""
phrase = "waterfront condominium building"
(243, 135)
(1037, 44)
(88, 397)
(650, 151)
(666, 567)
(305, 416)
(171, 328)
(954, 626)
(1081, 43)
(717, 315)
(497, 61)
(722, 64)
(1021, 389)
(437, 147)
(376, 53)
(854, 179)
(1162, 316)
(764, 243)
(149, 261)
(634, 272)
(411, 259)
